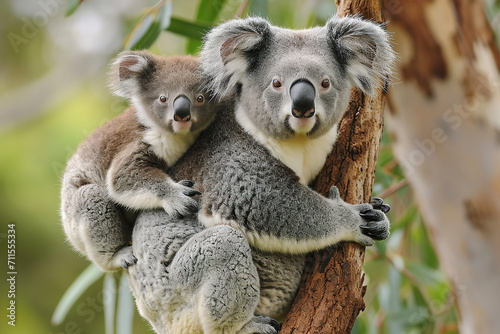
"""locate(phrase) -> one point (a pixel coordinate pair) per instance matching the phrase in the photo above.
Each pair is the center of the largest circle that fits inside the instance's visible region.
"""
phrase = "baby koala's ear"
(127, 72)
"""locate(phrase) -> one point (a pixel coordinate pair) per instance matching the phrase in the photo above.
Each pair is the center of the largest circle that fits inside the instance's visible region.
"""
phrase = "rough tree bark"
(445, 121)
(331, 294)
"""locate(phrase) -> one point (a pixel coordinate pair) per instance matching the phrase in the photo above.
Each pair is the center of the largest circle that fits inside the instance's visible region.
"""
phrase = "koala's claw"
(376, 231)
(191, 192)
(262, 325)
(130, 262)
(372, 215)
(124, 257)
(275, 324)
(379, 204)
(186, 183)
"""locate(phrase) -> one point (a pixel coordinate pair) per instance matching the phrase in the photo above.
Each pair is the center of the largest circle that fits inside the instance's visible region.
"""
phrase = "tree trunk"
(445, 121)
(331, 294)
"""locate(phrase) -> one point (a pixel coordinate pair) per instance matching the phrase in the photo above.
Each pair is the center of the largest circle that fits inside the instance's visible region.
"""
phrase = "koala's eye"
(325, 83)
(163, 98)
(276, 83)
(200, 99)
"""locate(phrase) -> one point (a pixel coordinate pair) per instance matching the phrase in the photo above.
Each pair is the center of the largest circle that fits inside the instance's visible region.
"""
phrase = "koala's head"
(166, 92)
(295, 82)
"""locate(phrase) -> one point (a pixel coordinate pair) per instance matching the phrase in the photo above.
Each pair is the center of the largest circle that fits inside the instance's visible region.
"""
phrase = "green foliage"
(73, 6)
(126, 307)
(192, 30)
(150, 26)
(208, 11)
(75, 291)
(407, 292)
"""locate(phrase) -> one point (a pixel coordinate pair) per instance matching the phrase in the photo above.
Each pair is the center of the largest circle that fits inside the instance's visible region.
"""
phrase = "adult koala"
(287, 92)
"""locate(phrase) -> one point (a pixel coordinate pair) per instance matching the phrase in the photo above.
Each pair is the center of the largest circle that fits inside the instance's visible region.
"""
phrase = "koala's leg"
(227, 288)
(101, 228)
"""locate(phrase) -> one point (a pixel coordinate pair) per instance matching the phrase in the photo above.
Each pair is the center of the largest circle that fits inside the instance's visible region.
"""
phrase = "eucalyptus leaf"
(208, 10)
(189, 29)
(125, 312)
(426, 275)
(109, 302)
(72, 6)
(192, 30)
(164, 15)
(146, 32)
(145, 26)
(91, 274)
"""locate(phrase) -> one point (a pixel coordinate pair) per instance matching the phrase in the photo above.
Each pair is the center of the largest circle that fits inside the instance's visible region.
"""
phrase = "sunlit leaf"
(109, 302)
(426, 275)
(139, 34)
(79, 286)
(165, 15)
(149, 27)
(407, 320)
(208, 11)
(125, 311)
(193, 30)
(72, 6)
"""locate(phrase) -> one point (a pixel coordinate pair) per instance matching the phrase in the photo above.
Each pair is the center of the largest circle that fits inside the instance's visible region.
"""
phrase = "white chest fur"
(167, 145)
(303, 155)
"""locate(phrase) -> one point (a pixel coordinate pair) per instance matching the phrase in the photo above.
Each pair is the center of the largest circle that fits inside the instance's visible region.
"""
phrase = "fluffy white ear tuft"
(125, 70)
(228, 50)
(362, 50)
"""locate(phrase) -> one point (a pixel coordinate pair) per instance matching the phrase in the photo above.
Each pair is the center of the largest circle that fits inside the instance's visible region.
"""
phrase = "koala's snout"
(182, 109)
(302, 93)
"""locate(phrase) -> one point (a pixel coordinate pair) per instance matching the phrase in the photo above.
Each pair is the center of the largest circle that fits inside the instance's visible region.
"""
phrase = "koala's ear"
(230, 49)
(362, 50)
(126, 70)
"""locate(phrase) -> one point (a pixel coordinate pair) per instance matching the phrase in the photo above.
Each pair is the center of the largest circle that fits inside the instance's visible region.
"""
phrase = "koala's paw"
(378, 204)
(181, 202)
(375, 223)
(368, 220)
(124, 257)
(261, 325)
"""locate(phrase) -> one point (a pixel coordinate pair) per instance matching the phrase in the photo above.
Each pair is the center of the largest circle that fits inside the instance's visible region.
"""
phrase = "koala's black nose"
(182, 109)
(302, 93)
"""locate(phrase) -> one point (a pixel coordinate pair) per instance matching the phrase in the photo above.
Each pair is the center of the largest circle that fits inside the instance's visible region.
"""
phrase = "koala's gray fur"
(122, 166)
(188, 278)
(253, 166)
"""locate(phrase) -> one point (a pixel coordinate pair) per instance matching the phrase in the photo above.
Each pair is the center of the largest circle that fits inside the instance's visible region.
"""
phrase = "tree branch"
(331, 294)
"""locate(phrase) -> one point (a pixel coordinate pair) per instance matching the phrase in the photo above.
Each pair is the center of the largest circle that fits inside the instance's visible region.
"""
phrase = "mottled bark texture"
(331, 294)
(444, 116)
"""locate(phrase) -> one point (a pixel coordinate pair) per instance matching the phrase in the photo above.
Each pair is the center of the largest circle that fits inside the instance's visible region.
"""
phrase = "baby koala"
(123, 166)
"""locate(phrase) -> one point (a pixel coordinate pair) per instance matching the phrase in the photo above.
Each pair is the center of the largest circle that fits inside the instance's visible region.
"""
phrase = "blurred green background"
(53, 94)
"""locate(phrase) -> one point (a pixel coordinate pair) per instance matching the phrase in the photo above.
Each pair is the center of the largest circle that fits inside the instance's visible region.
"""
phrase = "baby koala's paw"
(181, 201)
(124, 257)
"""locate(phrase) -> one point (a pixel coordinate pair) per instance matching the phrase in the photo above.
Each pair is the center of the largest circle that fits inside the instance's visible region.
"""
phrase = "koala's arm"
(138, 180)
(251, 190)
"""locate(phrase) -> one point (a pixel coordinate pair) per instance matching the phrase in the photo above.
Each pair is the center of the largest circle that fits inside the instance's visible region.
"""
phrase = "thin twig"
(392, 189)
(241, 8)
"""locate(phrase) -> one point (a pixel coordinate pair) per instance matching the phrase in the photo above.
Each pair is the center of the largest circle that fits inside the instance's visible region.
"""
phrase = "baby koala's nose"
(182, 109)
(302, 93)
